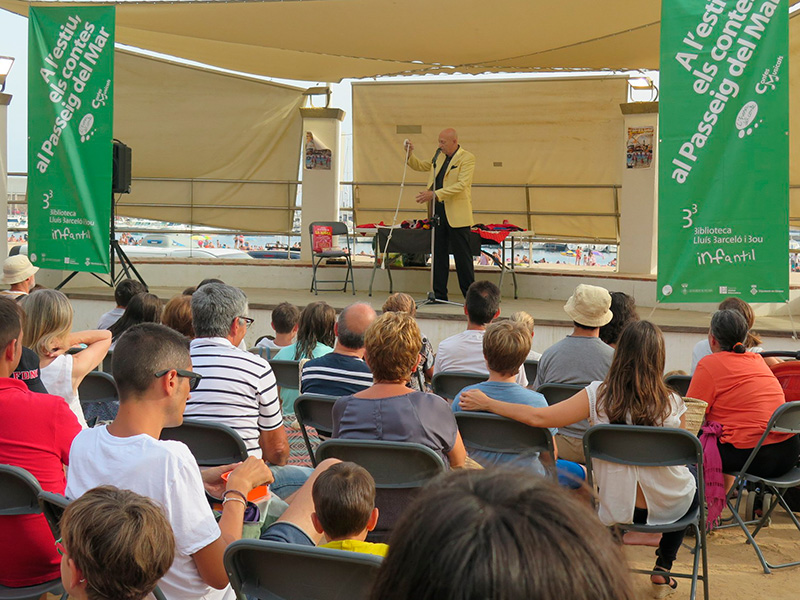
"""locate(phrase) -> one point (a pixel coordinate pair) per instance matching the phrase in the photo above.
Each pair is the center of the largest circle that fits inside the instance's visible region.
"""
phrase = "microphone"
(435, 156)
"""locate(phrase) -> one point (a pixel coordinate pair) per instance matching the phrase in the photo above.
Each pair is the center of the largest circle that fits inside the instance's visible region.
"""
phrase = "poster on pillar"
(70, 93)
(723, 196)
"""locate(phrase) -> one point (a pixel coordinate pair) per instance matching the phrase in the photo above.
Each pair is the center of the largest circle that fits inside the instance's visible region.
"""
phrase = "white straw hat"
(589, 305)
(17, 268)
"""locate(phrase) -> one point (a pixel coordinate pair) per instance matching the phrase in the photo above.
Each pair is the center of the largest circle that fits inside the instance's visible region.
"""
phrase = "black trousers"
(456, 240)
(772, 460)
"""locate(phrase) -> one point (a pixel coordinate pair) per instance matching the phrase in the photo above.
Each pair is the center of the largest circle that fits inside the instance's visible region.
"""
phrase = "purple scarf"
(712, 471)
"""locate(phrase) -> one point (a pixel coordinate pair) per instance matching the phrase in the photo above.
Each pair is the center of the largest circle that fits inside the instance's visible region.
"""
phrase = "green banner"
(723, 205)
(70, 102)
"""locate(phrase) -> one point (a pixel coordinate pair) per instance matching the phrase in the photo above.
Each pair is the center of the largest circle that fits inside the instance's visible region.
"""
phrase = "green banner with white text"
(70, 118)
(723, 196)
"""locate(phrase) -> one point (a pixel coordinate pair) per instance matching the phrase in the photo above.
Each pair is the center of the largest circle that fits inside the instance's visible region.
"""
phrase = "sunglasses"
(60, 547)
(194, 378)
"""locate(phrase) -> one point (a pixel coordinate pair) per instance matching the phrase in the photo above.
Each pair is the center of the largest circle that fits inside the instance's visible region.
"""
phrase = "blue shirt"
(516, 394)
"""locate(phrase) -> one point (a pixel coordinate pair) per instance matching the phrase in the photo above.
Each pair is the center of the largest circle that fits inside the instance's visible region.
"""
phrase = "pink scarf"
(712, 471)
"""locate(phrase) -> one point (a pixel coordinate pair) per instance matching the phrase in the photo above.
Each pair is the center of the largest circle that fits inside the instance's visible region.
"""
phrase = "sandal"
(662, 590)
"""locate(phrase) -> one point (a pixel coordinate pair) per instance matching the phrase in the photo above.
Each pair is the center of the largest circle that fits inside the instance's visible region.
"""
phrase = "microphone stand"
(435, 224)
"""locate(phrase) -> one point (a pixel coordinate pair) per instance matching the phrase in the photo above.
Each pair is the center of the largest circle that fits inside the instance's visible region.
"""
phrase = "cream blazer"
(456, 192)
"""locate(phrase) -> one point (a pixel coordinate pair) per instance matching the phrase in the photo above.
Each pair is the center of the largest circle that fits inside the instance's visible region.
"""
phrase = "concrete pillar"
(320, 186)
(5, 100)
(638, 222)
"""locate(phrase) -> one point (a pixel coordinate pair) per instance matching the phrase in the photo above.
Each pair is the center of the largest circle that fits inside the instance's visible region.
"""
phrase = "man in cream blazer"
(450, 189)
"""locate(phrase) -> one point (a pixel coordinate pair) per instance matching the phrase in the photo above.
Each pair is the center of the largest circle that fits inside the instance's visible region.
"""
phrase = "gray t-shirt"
(577, 360)
(414, 417)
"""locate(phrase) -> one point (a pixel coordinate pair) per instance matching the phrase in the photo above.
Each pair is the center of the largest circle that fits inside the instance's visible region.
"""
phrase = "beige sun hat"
(589, 305)
(17, 268)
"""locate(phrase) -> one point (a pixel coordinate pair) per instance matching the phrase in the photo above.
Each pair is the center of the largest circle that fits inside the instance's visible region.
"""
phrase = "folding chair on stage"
(19, 495)
(211, 444)
(336, 228)
(656, 447)
(278, 571)
(493, 433)
(399, 470)
(314, 410)
(448, 384)
(558, 392)
(786, 419)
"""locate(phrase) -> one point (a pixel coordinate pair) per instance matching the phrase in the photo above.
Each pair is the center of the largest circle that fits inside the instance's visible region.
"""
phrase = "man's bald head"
(448, 141)
(352, 324)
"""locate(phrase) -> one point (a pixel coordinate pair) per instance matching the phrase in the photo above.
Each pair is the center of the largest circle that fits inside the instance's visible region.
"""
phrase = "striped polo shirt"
(335, 375)
(238, 389)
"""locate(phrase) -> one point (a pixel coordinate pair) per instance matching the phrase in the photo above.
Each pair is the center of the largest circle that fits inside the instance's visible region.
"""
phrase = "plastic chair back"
(287, 373)
(448, 384)
(53, 506)
(278, 571)
(785, 419)
(97, 387)
(105, 366)
(314, 410)
(19, 492)
(531, 368)
(679, 384)
(211, 444)
(260, 351)
(557, 392)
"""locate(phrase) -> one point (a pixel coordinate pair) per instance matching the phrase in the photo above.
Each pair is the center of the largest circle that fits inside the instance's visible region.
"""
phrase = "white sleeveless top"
(668, 491)
(57, 378)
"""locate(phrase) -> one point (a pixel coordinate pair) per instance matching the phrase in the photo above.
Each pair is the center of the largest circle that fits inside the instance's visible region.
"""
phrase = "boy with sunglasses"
(152, 369)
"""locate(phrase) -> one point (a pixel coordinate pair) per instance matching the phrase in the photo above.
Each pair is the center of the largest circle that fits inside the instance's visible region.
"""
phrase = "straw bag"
(695, 414)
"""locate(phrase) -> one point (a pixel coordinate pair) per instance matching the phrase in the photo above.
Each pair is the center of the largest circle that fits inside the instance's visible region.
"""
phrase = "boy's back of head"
(285, 317)
(506, 345)
(127, 289)
(482, 302)
(344, 498)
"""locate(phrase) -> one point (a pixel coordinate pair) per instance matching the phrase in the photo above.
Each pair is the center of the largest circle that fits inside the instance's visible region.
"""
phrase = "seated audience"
(497, 534)
(623, 307)
(142, 308)
(285, 322)
(342, 371)
(125, 290)
(633, 393)
(36, 431)
(48, 326)
(390, 410)
(114, 544)
(28, 371)
(742, 393)
(579, 358)
(177, 315)
(344, 509)
(752, 342)
(315, 338)
(464, 351)
(20, 274)
(522, 317)
(400, 302)
(152, 369)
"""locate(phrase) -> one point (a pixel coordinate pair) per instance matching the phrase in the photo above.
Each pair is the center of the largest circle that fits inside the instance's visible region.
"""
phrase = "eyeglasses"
(248, 321)
(60, 547)
(194, 378)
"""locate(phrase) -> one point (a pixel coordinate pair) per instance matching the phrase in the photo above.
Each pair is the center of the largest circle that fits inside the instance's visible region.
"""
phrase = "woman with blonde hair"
(404, 303)
(632, 393)
(48, 332)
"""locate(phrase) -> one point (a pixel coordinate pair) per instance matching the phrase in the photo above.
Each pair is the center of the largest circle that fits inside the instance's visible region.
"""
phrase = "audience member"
(742, 393)
(115, 544)
(342, 371)
(35, 434)
(464, 351)
(125, 290)
(400, 302)
(28, 371)
(177, 315)
(633, 393)
(315, 338)
(623, 307)
(390, 410)
(142, 308)
(285, 322)
(48, 328)
(20, 274)
(152, 369)
(752, 343)
(344, 509)
(497, 534)
(579, 358)
(522, 317)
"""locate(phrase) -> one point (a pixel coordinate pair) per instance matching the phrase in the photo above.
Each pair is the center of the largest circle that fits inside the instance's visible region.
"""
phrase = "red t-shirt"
(742, 393)
(36, 432)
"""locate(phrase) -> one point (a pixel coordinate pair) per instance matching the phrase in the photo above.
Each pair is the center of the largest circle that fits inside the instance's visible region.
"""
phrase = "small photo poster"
(317, 155)
(322, 238)
(639, 148)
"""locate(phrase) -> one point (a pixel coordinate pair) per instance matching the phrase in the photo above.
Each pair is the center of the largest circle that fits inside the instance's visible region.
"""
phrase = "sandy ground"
(734, 569)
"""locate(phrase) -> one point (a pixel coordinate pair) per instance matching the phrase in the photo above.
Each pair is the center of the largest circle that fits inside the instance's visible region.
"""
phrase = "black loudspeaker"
(121, 174)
